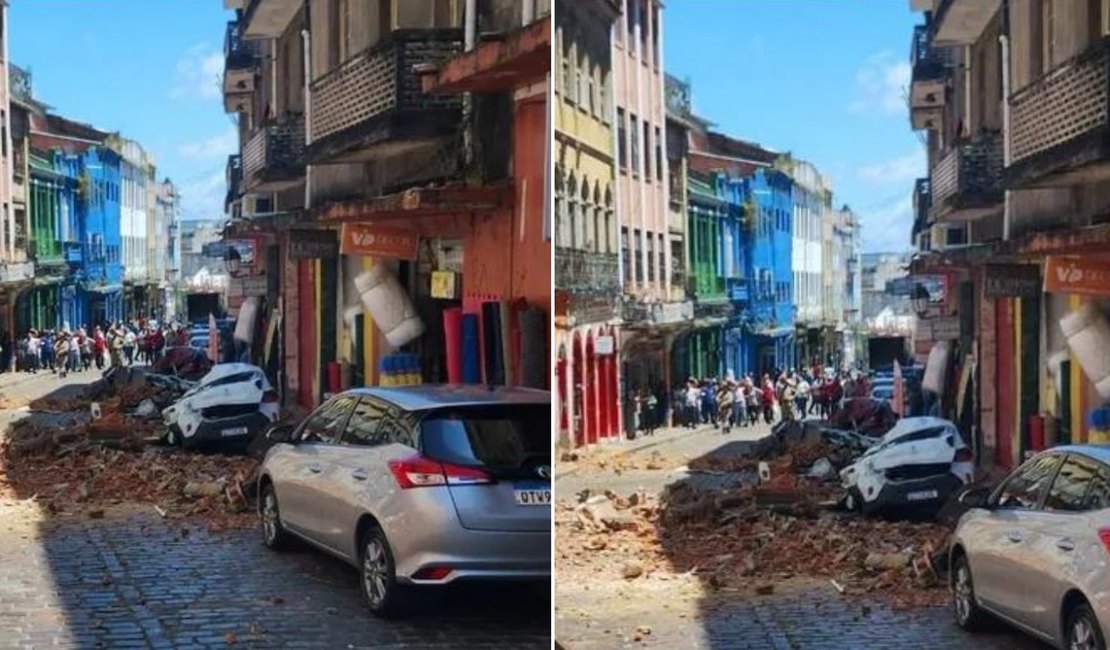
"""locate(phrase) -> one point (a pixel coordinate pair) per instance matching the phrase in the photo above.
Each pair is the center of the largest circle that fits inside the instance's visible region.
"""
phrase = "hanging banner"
(1012, 281)
(1077, 275)
(312, 244)
(379, 241)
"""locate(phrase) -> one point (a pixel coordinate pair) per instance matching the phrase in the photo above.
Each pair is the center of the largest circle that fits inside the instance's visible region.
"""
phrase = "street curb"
(639, 448)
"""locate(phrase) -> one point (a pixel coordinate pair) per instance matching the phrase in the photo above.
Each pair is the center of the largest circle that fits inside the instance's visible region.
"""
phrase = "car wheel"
(384, 596)
(1083, 631)
(274, 535)
(968, 614)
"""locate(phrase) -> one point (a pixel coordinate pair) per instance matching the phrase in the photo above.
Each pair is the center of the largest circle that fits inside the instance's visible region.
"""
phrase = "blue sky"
(823, 79)
(149, 69)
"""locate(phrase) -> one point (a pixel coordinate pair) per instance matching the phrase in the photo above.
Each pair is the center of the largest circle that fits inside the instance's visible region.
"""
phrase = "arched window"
(561, 232)
(598, 221)
(572, 210)
(586, 232)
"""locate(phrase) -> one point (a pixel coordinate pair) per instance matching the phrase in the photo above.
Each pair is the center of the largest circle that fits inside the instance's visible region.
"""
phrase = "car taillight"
(1104, 535)
(963, 456)
(269, 397)
(432, 573)
(418, 471)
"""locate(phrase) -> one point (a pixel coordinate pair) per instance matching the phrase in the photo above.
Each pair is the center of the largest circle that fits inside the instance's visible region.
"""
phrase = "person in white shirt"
(129, 346)
(34, 351)
(801, 396)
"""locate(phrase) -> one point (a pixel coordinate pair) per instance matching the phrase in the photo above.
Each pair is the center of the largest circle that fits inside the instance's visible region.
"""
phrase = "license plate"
(922, 495)
(234, 431)
(532, 497)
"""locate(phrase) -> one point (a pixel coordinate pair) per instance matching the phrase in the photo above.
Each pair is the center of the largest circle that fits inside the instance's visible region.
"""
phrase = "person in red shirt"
(768, 400)
(100, 346)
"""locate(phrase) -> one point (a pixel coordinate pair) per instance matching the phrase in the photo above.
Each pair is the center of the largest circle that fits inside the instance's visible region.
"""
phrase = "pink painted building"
(641, 150)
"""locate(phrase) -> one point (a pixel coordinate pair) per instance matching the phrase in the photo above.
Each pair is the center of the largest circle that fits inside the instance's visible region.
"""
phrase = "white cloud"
(888, 227)
(219, 146)
(881, 85)
(897, 170)
(203, 198)
(198, 73)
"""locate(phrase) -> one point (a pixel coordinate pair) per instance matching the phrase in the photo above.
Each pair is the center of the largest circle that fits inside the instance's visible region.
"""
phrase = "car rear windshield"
(506, 440)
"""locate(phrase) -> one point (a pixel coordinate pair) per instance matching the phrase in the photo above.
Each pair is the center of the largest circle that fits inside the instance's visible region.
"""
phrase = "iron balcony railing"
(382, 79)
(585, 271)
(234, 177)
(972, 168)
(928, 62)
(239, 53)
(1069, 101)
(277, 146)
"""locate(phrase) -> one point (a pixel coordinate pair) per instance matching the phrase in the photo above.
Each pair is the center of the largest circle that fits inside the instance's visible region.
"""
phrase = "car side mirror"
(280, 433)
(976, 498)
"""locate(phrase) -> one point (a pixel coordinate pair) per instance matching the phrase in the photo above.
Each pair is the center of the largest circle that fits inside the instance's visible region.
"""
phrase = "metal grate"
(579, 270)
(381, 79)
(1069, 101)
(280, 144)
(972, 167)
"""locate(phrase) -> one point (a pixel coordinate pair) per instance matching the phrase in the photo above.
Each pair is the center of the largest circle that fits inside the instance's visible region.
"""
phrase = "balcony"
(269, 18)
(374, 104)
(73, 252)
(585, 271)
(240, 65)
(1059, 129)
(966, 184)
(273, 158)
(960, 22)
(922, 202)
(738, 290)
(234, 176)
(658, 314)
(929, 81)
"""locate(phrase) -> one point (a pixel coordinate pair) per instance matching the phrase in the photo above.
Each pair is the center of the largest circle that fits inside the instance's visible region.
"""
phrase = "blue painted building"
(101, 274)
(767, 317)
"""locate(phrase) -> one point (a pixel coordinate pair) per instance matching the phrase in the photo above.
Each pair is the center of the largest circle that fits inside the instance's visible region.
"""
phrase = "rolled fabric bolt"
(452, 343)
(471, 350)
(389, 305)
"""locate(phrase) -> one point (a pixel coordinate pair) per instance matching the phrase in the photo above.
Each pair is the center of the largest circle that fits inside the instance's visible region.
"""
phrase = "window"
(507, 441)
(1071, 483)
(1098, 497)
(1025, 489)
(647, 151)
(650, 257)
(662, 259)
(622, 141)
(655, 37)
(626, 259)
(362, 427)
(639, 239)
(632, 18)
(326, 424)
(584, 80)
(658, 156)
(634, 131)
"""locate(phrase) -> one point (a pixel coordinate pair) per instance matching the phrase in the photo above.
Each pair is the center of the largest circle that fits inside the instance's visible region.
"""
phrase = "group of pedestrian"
(63, 351)
(741, 402)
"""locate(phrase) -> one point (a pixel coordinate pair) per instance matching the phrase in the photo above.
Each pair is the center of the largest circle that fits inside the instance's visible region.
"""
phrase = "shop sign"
(312, 244)
(1075, 275)
(380, 241)
(1012, 281)
(250, 286)
(604, 345)
(938, 329)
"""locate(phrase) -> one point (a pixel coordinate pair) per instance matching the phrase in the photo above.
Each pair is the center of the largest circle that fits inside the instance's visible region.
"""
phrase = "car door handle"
(359, 475)
(1014, 536)
(1065, 544)
(316, 468)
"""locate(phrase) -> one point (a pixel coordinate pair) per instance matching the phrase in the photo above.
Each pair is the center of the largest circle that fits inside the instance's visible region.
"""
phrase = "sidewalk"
(624, 447)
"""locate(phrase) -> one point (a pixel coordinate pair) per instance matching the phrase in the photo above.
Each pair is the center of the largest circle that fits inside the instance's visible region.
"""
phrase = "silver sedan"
(416, 486)
(1035, 552)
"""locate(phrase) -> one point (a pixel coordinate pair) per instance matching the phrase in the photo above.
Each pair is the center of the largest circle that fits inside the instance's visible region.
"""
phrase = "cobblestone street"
(668, 609)
(135, 580)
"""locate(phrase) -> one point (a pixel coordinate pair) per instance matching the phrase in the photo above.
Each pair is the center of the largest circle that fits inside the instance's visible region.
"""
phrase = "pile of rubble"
(85, 454)
(738, 539)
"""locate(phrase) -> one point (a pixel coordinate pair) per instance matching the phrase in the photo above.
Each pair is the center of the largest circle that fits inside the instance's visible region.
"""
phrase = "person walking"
(115, 346)
(768, 400)
(739, 405)
(46, 351)
(129, 346)
(649, 412)
(724, 406)
(61, 354)
(801, 398)
(789, 397)
(73, 350)
(708, 402)
(693, 401)
(99, 347)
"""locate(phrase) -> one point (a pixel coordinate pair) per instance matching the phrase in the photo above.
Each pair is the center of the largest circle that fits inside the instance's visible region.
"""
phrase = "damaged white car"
(234, 401)
(919, 463)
